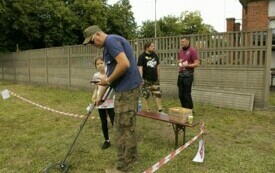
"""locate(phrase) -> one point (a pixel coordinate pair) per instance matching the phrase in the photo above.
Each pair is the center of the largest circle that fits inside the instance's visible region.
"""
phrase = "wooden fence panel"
(22, 67)
(231, 61)
(38, 66)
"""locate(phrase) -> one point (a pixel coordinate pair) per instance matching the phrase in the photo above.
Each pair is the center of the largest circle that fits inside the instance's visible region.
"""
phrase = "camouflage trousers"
(151, 88)
(125, 121)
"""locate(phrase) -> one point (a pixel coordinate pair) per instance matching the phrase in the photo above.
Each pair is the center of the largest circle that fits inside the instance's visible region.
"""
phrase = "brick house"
(257, 15)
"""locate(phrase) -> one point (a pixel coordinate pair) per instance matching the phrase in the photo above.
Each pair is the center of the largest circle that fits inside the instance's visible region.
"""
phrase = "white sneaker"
(163, 113)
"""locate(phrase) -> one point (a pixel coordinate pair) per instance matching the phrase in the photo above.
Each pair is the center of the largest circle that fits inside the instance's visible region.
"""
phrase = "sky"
(213, 12)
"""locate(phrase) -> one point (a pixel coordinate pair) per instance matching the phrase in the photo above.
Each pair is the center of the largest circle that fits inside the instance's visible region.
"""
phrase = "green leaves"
(187, 23)
(49, 23)
(121, 19)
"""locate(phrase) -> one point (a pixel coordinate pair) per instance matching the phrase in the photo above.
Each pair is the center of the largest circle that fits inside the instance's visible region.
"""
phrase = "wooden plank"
(222, 98)
(164, 117)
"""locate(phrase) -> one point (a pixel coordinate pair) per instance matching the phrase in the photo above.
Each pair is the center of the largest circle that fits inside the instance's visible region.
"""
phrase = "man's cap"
(89, 32)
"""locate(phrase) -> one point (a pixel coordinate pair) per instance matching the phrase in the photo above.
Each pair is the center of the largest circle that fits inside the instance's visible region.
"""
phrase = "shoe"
(135, 161)
(106, 145)
(114, 170)
(163, 113)
(164, 116)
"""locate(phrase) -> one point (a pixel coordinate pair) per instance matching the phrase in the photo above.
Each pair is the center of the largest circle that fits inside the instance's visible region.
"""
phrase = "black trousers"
(104, 122)
(185, 85)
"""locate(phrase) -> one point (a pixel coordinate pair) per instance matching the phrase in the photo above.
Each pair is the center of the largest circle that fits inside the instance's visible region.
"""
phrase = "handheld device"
(94, 81)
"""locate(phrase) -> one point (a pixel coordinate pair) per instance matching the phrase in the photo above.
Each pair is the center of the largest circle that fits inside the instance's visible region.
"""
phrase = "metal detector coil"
(60, 167)
(63, 167)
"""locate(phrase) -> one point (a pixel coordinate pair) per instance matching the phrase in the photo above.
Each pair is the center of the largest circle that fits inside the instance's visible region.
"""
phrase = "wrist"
(108, 82)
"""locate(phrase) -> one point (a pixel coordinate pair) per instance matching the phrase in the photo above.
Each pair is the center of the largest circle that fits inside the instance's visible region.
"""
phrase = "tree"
(56, 23)
(87, 13)
(121, 19)
(187, 23)
(63, 22)
(168, 26)
(17, 23)
(47, 23)
(192, 23)
(147, 29)
(3, 26)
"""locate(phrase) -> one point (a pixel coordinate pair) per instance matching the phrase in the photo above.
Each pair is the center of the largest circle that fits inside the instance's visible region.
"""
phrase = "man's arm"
(193, 65)
(196, 60)
(140, 69)
(158, 71)
(122, 65)
(178, 57)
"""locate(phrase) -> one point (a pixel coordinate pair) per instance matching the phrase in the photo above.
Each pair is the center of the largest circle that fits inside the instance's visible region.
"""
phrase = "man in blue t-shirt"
(123, 76)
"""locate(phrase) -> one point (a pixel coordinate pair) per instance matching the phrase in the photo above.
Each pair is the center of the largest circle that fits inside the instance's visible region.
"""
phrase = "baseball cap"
(89, 32)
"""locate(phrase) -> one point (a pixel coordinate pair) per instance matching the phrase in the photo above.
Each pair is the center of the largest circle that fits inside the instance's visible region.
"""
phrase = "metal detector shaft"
(80, 128)
(105, 96)
(63, 166)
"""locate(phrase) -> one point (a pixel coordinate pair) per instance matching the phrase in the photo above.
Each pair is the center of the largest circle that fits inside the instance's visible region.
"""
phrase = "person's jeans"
(185, 85)
(104, 121)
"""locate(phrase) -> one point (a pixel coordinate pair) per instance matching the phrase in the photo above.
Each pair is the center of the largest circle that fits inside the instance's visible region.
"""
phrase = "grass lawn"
(32, 138)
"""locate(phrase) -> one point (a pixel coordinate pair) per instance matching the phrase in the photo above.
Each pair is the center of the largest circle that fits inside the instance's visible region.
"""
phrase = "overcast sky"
(213, 12)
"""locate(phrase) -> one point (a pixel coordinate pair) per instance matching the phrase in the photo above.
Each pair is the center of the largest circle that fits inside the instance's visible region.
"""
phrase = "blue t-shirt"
(115, 44)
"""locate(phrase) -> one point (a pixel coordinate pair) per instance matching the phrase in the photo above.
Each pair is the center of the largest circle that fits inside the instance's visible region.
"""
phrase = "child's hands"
(94, 99)
(98, 101)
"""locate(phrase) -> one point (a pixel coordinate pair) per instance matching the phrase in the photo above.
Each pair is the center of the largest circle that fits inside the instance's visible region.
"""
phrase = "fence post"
(267, 68)
(14, 66)
(69, 67)
(29, 67)
(2, 66)
(46, 66)
(138, 49)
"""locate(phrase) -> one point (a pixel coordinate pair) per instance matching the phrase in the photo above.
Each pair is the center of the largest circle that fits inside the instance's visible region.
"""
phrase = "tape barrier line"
(47, 108)
(174, 153)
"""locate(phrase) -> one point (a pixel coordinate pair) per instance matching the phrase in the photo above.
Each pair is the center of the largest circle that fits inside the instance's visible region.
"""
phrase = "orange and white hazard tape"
(149, 170)
(174, 153)
(47, 108)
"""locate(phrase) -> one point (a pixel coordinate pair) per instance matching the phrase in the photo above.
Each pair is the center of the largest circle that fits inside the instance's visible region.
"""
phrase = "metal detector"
(63, 167)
